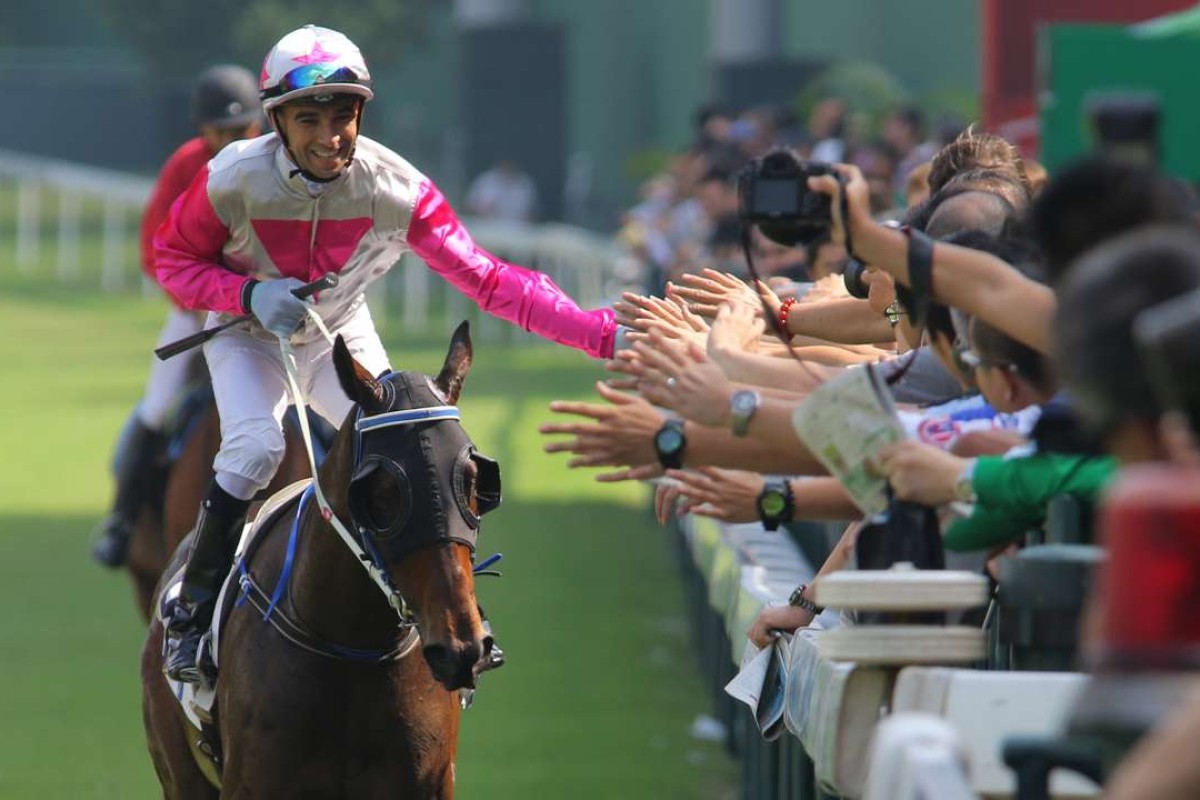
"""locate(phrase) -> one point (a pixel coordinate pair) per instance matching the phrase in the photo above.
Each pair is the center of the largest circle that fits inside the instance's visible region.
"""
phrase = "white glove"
(276, 307)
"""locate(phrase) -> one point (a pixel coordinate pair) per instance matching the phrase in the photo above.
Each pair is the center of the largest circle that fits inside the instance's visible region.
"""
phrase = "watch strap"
(739, 419)
(800, 601)
(672, 459)
(783, 487)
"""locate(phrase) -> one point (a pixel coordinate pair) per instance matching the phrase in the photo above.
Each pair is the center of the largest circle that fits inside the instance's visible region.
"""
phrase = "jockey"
(268, 215)
(224, 108)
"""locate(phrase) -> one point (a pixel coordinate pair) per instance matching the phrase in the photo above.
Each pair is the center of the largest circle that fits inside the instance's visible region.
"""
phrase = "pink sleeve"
(522, 296)
(187, 254)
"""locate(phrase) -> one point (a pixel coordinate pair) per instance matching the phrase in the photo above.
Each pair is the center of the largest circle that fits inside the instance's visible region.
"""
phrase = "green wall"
(1091, 58)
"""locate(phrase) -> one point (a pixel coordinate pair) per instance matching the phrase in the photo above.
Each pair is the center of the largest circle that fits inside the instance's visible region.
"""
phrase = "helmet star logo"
(318, 55)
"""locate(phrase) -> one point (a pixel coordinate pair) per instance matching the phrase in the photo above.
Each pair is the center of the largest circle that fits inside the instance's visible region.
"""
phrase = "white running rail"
(45, 203)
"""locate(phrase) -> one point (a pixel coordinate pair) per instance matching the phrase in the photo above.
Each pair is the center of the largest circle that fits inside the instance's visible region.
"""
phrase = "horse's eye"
(381, 499)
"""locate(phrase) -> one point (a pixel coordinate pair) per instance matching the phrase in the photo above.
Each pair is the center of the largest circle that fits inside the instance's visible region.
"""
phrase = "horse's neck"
(332, 593)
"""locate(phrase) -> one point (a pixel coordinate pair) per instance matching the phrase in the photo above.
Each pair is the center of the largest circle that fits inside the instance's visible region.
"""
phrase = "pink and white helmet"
(313, 62)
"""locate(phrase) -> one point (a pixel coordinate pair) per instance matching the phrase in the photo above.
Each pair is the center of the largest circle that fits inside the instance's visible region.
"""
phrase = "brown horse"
(159, 531)
(301, 716)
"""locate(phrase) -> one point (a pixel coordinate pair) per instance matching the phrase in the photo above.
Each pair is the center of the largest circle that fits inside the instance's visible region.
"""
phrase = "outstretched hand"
(735, 330)
(706, 291)
(670, 316)
(724, 494)
(621, 434)
(682, 378)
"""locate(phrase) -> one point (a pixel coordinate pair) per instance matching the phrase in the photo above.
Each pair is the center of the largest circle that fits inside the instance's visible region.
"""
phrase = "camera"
(852, 274)
(1168, 337)
(1126, 125)
(773, 193)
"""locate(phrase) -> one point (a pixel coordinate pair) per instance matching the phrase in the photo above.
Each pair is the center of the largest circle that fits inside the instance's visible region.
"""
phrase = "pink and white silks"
(248, 215)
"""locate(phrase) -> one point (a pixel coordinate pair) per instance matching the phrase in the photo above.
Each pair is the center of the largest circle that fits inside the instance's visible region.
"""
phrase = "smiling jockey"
(271, 214)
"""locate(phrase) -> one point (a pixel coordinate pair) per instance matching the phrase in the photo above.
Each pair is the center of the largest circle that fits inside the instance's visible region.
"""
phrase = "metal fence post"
(29, 227)
(69, 204)
(111, 277)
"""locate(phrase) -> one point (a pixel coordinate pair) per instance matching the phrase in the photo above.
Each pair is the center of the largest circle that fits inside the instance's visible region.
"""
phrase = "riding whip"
(188, 342)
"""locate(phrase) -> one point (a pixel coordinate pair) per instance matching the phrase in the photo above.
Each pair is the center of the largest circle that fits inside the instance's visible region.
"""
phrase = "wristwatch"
(776, 503)
(669, 444)
(742, 405)
(964, 487)
(800, 601)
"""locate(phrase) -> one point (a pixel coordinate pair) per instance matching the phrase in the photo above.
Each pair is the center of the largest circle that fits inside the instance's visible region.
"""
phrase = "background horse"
(164, 522)
(305, 720)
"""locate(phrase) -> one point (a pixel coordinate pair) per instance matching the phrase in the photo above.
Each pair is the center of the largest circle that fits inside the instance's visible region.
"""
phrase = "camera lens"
(853, 276)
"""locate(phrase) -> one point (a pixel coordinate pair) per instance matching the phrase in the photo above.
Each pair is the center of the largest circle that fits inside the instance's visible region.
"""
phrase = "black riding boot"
(133, 485)
(209, 560)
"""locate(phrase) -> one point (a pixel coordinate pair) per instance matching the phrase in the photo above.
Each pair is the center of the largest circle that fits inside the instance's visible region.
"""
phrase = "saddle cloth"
(197, 700)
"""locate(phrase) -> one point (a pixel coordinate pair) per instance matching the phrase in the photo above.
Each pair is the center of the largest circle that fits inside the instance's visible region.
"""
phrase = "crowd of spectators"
(1009, 346)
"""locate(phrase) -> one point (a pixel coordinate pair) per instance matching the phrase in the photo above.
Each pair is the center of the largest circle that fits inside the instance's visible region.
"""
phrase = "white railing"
(89, 218)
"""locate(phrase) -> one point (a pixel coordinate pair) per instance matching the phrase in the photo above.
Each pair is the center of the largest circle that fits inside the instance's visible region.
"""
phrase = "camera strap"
(844, 209)
(772, 318)
(916, 298)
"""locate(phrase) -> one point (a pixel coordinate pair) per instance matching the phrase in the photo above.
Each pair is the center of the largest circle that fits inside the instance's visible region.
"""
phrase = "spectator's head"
(1010, 375)
(877, 162)
(1098, 359)
(711, 122)
(958, 209)
(717, 193)
(725, 245)
(772, 259)
(971, 151)
(902, 130)
(825, 257)
(827, 120)
(225, 106)
(1036, 176)
(949, 337)
(916, 185)
(1097, 199)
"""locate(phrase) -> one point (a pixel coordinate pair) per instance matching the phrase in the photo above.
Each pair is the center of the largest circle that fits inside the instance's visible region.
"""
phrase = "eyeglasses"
(310, 75)
(973, 361)
(894, 312)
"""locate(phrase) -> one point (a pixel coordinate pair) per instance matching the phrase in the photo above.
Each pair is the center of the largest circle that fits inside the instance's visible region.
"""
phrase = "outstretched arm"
(976, 282)
(522, 296)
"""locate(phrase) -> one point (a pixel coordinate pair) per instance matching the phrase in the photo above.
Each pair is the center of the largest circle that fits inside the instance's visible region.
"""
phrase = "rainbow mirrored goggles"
(314, 76)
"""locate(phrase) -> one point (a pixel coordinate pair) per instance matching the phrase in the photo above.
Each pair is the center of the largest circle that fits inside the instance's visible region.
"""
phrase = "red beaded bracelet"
(784, 309)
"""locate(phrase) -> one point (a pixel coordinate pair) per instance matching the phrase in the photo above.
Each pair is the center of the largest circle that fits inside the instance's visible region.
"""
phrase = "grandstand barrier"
(833, 708)
(79, 225)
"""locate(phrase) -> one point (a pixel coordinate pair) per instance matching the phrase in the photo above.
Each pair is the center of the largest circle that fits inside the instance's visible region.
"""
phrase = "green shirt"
(1013, 493)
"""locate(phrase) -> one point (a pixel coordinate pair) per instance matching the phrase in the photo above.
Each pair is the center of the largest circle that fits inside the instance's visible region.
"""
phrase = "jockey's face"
(320, 136)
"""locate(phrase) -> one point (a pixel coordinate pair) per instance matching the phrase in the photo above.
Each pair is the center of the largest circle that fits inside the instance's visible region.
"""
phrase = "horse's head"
(415, 495)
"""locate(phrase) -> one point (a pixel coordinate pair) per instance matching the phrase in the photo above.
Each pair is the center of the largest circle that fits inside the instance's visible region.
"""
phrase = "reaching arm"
(846, 320)
(522, 296)
(976, 282)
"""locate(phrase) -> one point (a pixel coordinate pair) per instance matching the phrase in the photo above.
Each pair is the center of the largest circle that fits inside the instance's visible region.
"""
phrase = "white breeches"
(168, 378)
(250, 386)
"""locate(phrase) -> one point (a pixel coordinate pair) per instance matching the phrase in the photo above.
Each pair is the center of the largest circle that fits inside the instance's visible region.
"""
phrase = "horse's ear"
(458, 363)
(358, 384)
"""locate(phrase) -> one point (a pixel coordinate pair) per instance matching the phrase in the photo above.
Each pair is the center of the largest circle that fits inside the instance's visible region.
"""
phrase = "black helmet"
(225, 96)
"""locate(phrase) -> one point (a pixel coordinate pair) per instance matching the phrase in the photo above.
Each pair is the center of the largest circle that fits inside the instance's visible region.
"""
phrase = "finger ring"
(671, 382)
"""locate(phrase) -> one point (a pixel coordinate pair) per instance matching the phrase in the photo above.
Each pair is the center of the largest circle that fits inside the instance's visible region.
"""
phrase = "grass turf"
(600, 689)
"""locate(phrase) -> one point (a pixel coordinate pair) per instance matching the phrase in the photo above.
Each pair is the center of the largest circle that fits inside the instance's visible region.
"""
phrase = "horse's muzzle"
(458, 664)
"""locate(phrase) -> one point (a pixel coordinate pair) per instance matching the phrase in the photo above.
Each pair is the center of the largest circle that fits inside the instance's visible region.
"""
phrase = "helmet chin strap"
(301, 171)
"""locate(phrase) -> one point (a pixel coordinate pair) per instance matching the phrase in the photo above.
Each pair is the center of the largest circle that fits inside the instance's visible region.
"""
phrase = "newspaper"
(760, 684)
(845, 422)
